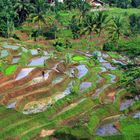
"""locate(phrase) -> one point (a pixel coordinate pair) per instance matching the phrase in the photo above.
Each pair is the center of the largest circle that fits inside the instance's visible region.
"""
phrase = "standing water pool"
(23, 73)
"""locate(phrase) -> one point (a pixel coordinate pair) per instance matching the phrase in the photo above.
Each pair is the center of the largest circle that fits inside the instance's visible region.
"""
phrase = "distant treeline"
(124, 3)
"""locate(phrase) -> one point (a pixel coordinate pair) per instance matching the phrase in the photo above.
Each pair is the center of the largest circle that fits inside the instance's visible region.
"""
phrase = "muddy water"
(99, 79)
(82, 71)
(66, 92)
(36, 108)
(100, 90)
(55, 68)
(40, 78)
(57, 80)
(40, 107)
(23, 73)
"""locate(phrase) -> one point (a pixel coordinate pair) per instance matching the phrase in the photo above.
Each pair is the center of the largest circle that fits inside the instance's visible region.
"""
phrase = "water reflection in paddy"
(82, 71)
(106, 130)
(34, 52)
(38, 61)
(4, 53)
(105, 55)
(46, 53)
(113, 78)
(136, 115)
(57, 80)
(126, 104)
(102, 60)
(15, 60)
(11, 105)
(103, 69)
(24, 49)
(108, 66)
(11, 47)
(23, 73)
(118, 62)
(85, 85)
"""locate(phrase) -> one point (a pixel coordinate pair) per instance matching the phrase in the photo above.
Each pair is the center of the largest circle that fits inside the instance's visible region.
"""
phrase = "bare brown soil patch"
(45, 133)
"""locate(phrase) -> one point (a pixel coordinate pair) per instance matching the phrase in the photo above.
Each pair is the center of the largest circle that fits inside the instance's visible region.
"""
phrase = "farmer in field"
(43, 71)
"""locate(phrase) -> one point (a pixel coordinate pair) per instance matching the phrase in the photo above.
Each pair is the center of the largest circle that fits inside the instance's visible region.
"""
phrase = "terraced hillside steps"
(46, 93)
(31, 86)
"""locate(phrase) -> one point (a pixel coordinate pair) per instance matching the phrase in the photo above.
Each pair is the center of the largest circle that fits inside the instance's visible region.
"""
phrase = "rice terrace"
(69, 70)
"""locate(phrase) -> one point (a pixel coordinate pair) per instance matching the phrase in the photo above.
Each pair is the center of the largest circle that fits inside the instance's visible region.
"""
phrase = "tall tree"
(135, 3)
(23, 8)
(101, 21)
(134, 22)
(75, 27)
(89, 24)
(116, 29)
(40, 9)
(83, 6)
(7, 15)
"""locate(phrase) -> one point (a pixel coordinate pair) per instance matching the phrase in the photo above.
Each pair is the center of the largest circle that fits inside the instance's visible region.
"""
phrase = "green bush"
(51, 33)
(134, 23)
(62, 44)
(109, 46)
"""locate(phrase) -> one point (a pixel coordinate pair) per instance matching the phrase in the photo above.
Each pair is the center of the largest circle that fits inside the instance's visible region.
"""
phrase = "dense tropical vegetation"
(69, 70)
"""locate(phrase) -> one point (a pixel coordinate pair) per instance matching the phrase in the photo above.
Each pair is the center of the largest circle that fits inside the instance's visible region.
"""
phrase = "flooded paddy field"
(39, 93)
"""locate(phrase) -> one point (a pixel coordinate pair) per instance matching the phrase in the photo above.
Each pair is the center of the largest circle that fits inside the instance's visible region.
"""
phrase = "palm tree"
(70, 4)
(40, 7)
(131, 80)
(100, 21)
(89, 25)
(22, 8)
(75, 27)
(83, 6)
(7, 15)
(116, 29)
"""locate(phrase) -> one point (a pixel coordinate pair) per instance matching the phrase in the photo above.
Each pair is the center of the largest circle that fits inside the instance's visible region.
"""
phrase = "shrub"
(68, 58)
(109, 46)
(134, 22)
(75, 27)
(51, 33)
(61, 44)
